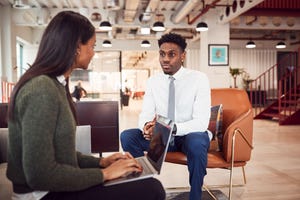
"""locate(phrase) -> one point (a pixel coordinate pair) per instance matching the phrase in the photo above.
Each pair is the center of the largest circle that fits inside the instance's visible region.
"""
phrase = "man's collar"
(178, 74)
(62, 80)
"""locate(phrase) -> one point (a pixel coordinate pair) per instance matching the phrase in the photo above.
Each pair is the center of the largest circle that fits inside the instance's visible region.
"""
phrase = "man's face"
(170, 57)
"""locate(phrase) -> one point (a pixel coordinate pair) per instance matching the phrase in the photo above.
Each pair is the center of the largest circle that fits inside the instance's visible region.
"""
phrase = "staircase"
(281, 101)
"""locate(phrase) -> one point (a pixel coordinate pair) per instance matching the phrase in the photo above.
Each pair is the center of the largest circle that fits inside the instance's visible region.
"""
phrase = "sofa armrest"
(3, 144)
(242, 128)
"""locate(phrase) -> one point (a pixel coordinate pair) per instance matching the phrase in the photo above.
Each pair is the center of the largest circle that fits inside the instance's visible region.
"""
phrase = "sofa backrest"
(235, 103)
(103, 117)
(3, 144)
(3, 115)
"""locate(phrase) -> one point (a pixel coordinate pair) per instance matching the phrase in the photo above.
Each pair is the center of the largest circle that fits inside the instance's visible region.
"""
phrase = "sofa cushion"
(215, 127)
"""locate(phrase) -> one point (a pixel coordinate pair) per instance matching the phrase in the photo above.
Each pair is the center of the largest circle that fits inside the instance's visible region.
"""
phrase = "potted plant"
(246, 80)
(234, 73)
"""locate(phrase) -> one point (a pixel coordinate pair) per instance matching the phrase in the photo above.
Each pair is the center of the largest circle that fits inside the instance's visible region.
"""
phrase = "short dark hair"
(173, 38)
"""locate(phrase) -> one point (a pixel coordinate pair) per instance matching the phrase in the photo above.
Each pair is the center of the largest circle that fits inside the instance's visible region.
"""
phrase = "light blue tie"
(171, 105)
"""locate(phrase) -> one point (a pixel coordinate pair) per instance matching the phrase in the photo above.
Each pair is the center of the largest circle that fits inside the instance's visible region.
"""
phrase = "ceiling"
(258, 19)
(262, 21)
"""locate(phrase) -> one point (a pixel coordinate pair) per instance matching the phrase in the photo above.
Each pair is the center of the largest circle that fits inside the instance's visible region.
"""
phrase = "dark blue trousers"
(195, 145)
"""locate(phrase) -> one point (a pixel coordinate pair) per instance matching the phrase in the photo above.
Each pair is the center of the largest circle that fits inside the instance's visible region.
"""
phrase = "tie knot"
(171, 78)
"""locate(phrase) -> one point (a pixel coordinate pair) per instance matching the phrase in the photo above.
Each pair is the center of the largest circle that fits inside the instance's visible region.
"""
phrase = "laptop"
(153, 160)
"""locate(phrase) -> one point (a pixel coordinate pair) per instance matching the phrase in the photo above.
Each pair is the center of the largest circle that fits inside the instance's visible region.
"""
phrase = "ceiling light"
(158, 26)
(106, 43)
(105, 26)
(250, 45)
(201, 26)
(280, 45)
(145, 31)
(145, 43)
(19, 4)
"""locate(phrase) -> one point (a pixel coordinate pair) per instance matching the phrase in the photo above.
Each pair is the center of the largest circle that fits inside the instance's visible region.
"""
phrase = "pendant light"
(106, 43)
(250, 45)
(105, 26)
(145, 43)
(19, 4)
(280, 45)
(158, 26)
(201, 26)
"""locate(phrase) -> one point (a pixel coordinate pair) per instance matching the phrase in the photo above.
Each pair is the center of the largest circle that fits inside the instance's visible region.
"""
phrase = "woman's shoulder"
(43, 81)
(40, 84)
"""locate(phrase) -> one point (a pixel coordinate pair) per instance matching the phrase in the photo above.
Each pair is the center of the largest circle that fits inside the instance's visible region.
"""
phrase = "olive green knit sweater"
(42, 152)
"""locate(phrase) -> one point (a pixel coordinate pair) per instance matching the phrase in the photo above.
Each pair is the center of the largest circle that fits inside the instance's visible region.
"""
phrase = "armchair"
(237, 130)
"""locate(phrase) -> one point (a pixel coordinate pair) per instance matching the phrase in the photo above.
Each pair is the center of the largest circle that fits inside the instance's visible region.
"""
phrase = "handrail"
(6, 90)
(287, 94)
(266, 90)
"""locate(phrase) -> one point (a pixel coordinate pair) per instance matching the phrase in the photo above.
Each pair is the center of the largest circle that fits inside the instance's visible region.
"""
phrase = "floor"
(272, 173)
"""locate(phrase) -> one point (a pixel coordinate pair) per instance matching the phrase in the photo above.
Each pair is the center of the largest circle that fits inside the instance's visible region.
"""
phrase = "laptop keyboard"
(146, 169)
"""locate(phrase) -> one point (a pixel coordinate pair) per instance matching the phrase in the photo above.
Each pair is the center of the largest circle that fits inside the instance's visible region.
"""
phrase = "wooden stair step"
(274, 115)
(290, 101)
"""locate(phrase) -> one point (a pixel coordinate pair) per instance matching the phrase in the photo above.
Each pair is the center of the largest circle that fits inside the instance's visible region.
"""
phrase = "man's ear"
(183, 55)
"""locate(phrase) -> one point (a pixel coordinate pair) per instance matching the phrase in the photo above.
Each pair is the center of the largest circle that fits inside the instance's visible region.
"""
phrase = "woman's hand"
(105, 162)
(121, 167)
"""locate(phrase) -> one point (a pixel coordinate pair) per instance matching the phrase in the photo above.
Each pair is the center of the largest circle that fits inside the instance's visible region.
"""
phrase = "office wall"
(253, 61)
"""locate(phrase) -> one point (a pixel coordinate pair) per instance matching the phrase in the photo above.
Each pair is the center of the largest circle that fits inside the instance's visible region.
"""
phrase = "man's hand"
(148, 129)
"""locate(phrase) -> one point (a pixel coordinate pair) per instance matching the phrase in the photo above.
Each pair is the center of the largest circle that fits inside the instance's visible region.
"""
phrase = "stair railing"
(263, 90)
(288, 94)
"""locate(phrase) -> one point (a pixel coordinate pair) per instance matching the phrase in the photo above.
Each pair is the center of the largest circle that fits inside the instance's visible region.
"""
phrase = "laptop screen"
(159, 142)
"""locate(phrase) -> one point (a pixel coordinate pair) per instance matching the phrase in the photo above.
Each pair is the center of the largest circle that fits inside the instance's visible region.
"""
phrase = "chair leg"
(209, 192)
(230, 183)
(244, 175)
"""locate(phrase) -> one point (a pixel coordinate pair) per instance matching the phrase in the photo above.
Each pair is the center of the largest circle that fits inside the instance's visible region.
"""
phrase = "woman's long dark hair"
(57, 51)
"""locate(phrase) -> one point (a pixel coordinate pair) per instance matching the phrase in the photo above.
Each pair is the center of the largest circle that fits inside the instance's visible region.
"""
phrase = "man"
(79, 92)
(191, 110)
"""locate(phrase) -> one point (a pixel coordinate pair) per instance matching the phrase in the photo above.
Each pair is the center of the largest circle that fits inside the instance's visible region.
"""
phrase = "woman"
(42, 161)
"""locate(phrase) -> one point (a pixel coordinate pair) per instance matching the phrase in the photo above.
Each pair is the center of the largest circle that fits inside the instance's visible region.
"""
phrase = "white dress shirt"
(192, 100)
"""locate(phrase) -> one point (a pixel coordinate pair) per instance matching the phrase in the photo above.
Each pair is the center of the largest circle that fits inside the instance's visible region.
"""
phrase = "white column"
(217, 34)
(8, 45)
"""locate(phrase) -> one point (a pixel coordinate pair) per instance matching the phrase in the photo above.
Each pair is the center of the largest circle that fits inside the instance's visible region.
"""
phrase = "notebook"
(153, 160)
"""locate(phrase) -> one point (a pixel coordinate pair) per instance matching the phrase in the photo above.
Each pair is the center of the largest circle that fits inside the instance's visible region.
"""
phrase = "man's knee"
(128, 136)
(198, 144)
(124, 135)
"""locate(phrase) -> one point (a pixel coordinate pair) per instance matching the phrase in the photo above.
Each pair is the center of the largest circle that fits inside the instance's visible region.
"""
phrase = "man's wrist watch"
(174, 131)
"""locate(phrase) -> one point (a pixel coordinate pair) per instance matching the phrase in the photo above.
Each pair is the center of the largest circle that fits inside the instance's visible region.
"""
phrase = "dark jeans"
(195, 145)
(148, 189)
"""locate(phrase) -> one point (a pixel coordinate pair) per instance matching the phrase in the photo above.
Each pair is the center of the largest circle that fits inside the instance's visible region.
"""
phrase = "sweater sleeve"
(86, 161)
(47, 166)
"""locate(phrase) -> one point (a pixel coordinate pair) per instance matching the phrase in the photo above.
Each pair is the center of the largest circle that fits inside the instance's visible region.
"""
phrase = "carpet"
(205, 195)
